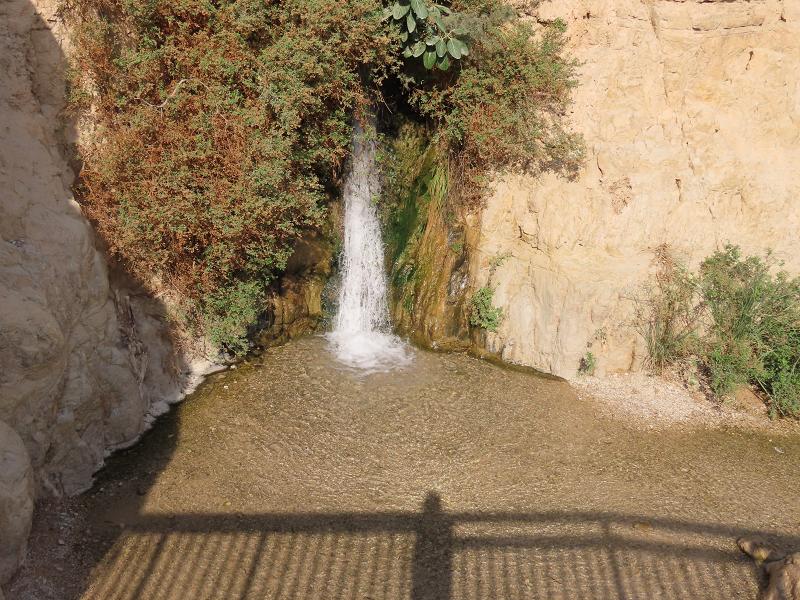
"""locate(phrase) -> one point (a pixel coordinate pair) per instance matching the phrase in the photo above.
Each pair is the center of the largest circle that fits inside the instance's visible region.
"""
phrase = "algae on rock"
(427, 241)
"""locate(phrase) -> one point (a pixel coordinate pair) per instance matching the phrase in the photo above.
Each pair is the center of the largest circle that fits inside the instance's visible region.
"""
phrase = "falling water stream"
(362, 336)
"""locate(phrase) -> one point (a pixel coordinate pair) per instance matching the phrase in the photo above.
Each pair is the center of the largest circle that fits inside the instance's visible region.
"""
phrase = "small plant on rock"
(588, 364)
(668, 313)
(484, 314)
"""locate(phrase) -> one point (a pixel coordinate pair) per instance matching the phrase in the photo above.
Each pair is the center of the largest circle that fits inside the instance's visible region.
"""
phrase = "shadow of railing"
(427, 555)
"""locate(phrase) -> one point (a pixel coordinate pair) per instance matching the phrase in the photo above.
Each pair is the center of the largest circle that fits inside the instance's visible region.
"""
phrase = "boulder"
(16, 501)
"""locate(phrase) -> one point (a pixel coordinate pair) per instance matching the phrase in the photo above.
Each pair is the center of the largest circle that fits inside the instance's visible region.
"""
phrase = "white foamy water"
(361, 336)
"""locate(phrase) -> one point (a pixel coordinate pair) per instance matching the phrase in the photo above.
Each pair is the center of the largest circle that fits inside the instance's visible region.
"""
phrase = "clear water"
(451, 480)
(362, 337)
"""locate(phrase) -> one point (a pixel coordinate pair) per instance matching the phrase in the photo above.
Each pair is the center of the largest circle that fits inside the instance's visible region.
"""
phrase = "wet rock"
(16, 501)
(782, 570)
(296, 299)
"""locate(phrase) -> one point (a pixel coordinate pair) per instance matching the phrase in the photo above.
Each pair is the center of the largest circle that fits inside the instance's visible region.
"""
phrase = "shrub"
(785, 393)
(668, 313)
(221, 129)
(229, 312)
(739, 315)
(755, 327)
(504, 108)
(588, 364)
(484, 314)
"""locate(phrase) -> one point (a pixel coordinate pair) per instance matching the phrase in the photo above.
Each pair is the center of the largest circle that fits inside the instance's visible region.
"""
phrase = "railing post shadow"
(432, 562)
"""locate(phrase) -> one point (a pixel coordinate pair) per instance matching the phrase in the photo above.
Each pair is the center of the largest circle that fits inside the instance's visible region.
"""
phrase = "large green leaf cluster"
(426, 33)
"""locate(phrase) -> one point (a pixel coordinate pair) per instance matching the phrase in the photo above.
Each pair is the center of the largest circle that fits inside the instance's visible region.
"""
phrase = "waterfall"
(362, 335)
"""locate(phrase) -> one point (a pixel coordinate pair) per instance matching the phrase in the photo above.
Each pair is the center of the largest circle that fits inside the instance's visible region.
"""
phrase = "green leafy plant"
(222, 131)
(425, 32)
(484, 314)
(504, 108)
(754, 333)
(740, 315)
(223, 128)
(229, 312)
(588, 364)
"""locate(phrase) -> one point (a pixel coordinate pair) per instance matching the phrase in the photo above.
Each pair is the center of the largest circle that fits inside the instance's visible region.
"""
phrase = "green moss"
(409, 166)
(415, 188)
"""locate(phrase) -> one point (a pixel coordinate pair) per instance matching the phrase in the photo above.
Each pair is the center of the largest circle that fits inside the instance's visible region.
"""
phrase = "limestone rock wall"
(16, 500)
(691, 114)
(83, 365)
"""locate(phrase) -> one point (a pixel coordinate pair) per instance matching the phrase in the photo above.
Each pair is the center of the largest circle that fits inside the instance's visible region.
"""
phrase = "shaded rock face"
(295, 303)
(691, 115)
(16, 500)
(83, 364)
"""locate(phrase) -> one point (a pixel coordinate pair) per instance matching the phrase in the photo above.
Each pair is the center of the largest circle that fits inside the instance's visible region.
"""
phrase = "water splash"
(361, 336)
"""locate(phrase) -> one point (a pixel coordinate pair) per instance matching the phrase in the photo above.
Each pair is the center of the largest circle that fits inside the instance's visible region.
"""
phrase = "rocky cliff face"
(83, 365)
(691, 114)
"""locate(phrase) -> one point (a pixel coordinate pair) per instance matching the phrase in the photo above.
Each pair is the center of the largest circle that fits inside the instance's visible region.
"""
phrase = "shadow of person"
(432, 563)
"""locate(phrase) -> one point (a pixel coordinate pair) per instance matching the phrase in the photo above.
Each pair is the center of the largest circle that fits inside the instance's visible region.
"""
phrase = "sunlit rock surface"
(691, 115)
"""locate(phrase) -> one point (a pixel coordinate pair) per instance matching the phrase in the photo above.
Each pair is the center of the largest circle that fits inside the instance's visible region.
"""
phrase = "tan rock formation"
(295, 303)
(16, 500)
(782, 570)
(83, 365)
(691, 114)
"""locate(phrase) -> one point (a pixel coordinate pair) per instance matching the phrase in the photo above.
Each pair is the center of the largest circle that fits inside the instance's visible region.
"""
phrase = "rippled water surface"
(296, 478)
